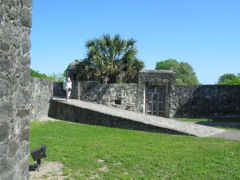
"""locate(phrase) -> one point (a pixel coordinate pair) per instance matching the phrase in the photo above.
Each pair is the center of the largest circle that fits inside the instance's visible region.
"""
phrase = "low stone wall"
(58, 89)
(68, 112)
(205, 100)
(59, 92)
(125, 96)
(42, 92)
(181, 101)
(75, 90)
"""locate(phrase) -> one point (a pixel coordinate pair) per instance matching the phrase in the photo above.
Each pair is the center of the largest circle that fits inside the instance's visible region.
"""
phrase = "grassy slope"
(92, 152)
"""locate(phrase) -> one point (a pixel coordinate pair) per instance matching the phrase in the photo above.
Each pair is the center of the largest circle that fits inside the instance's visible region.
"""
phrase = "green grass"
(211, 120)
(93, 152)
(193, 119)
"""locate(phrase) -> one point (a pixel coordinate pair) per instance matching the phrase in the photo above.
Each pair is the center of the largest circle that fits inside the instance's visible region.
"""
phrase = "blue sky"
(203, 33)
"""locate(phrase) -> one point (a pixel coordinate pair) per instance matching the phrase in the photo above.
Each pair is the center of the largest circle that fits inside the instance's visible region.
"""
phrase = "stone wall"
(58, 89)
(15, 25)
(68, 112)
(75, 90)
(205, 100)
(42, 92)
(125, 96)
(180, 100)
(59, 92)
(157, 77)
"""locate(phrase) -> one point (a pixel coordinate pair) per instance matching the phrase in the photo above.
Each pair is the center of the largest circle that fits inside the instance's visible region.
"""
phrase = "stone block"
(25, 78)
(27, 3)
(5, 165)
(23, 113)
(26, 17)
(24, 135)
(4, 45)
(5, 131)
(13, 148)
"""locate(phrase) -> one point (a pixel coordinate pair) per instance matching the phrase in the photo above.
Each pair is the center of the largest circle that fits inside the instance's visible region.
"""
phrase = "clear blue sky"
(203, 33)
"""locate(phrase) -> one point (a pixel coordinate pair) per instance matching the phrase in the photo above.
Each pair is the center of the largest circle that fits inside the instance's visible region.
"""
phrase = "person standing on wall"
(67, 86)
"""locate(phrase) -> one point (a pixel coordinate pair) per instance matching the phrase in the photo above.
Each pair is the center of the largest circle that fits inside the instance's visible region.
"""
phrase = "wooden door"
(155, 100)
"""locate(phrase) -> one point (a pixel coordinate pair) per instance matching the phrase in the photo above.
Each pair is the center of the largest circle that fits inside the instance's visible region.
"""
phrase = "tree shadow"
(235, 125)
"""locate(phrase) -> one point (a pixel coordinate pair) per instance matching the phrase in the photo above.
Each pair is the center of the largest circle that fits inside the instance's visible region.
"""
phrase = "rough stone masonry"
(15, 26)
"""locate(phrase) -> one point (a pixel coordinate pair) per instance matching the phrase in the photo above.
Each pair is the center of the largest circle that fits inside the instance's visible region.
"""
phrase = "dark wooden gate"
(154, 100)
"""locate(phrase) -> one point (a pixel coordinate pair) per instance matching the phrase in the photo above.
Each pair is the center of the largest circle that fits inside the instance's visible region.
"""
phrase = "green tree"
(37, 74)
(111, 60)
(184, 72)
(229, 79)
(54, 77)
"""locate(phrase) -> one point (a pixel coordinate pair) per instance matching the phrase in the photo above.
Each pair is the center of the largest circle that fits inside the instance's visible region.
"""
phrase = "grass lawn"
(93, 152)
(211, 120)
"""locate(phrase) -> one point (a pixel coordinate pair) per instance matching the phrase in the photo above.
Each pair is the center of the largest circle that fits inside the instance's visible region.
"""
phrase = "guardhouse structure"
(158, 85)
(71, 70)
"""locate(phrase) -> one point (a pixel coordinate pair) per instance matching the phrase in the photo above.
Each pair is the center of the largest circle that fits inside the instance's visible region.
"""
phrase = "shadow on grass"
(231, 123)
(222, 122)
(234, 125)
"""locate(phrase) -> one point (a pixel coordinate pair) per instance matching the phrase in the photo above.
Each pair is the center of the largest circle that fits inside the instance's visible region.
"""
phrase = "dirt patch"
(48, 171)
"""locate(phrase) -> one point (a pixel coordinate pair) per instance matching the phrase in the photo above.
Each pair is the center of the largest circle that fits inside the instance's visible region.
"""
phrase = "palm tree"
(112, 60)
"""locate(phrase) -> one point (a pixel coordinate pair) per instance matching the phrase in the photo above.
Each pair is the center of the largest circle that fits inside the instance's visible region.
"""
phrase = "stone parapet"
(42, 92)
(124, 96)
(75, 113)
(205, 101)
(58, 90)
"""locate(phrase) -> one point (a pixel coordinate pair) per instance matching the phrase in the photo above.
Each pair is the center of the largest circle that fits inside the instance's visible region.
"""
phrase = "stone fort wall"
(125, 96)
(41, 94)
(24, 98)
(205, 100)
(184, 100)
(15, 25)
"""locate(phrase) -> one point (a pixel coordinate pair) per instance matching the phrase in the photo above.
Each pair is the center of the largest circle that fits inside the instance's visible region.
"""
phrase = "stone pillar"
(15, 95)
